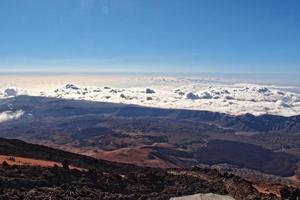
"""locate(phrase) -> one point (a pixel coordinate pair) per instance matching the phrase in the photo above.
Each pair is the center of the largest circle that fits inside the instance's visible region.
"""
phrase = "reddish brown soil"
(268, 189)
(142, 156)
(13, 160)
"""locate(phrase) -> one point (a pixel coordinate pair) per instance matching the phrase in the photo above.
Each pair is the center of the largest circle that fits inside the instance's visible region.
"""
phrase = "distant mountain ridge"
(52, 107)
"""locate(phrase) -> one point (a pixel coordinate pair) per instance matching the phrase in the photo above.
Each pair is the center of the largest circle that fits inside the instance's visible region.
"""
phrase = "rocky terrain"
(247, 146)
(98, 179)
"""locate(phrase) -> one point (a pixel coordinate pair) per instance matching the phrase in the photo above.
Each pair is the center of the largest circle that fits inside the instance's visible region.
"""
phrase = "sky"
(178, 36)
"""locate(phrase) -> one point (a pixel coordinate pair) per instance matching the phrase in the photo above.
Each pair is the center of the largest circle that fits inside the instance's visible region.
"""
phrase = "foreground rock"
(92, 179)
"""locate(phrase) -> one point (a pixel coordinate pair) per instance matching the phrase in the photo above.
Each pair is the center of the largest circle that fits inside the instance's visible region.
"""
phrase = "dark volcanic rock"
(248, 155)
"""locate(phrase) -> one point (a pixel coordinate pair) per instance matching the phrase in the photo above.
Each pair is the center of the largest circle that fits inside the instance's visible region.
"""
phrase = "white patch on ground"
(209, 196)
(10, 115)
(178, 93)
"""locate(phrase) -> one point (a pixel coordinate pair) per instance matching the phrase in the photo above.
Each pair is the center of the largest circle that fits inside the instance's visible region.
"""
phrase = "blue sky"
(226, 36)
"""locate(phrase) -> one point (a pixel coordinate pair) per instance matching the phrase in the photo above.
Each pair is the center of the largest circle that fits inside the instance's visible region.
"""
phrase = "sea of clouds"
(180, 93)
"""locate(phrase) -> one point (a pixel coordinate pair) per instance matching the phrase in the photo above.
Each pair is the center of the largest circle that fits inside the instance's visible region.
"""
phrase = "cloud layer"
(180, 93)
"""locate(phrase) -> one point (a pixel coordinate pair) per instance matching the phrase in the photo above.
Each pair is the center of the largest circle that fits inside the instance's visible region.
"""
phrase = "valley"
(166, 138)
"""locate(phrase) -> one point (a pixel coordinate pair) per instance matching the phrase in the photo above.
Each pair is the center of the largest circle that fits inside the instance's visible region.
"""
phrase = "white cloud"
(10, 115)
(170, 92)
